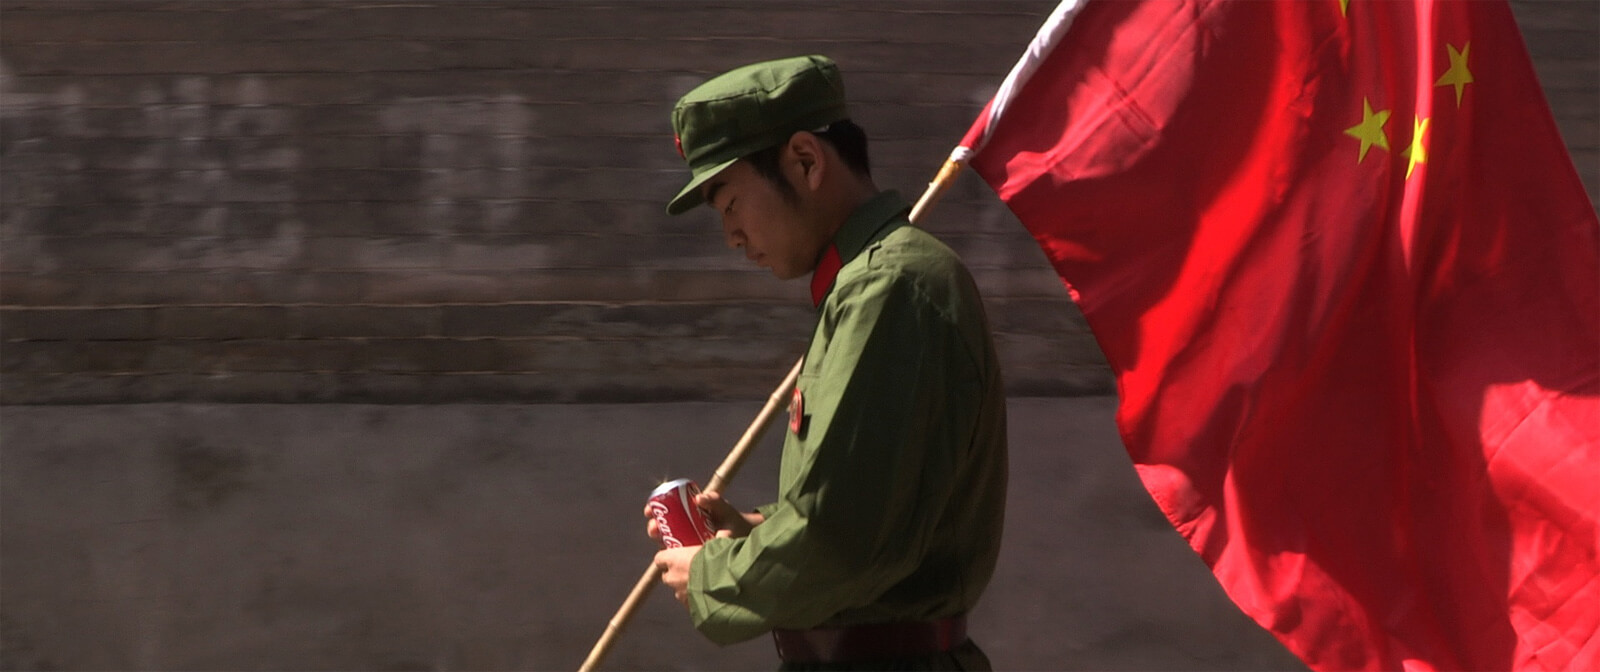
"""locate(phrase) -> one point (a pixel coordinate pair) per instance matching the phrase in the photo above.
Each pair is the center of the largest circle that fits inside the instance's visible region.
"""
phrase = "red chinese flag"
(1349, 283)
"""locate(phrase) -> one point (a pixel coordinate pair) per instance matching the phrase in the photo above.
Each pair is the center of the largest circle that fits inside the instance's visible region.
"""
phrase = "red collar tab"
(822, 279)
(677, 140)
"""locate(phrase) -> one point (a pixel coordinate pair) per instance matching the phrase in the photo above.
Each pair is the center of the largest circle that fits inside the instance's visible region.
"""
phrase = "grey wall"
(348, 201)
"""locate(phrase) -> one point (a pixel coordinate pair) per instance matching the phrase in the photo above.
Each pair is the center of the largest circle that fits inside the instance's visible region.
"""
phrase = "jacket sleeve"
(887, 416)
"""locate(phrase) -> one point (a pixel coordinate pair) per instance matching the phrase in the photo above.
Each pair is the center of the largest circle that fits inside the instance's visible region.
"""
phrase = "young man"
(892, 481)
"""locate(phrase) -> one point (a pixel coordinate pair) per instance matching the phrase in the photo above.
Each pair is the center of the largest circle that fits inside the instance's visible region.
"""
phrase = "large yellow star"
(1344, 7)
(1417, 152)
(1370, 130)
(1458, 74)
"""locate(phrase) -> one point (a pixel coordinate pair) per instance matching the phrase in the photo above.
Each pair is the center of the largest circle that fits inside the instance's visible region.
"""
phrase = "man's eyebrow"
(711, 193)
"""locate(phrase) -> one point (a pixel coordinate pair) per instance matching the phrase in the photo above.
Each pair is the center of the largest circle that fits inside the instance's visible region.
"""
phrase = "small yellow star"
(1458, 74)
(1418, 151)
(1344, 7)
(1370, 130)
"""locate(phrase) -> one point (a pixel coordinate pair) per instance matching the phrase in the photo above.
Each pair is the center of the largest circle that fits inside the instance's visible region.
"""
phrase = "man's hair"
(846, 137)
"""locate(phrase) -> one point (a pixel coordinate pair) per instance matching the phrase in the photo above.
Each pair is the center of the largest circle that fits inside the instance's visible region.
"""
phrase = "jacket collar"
(875, 219)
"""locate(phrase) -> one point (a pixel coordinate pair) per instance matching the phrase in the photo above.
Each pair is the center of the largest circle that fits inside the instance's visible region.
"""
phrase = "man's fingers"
(674, 564)
(709, 501)
(723, 514)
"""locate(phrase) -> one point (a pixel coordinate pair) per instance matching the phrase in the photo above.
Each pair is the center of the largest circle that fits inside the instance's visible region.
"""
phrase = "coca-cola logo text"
(668, 539)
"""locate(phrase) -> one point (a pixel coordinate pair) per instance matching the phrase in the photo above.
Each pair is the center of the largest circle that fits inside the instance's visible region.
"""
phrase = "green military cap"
(750, 109)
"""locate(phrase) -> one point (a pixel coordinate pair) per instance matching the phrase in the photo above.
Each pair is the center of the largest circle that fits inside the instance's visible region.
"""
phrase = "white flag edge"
(1045, 41)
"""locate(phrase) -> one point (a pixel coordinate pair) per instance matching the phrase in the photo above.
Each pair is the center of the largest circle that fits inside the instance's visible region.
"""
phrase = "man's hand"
(674, 564)
(725, 518)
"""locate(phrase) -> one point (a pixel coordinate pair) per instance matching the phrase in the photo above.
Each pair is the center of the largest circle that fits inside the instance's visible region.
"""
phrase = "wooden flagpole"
(730, 465)
(936, 188)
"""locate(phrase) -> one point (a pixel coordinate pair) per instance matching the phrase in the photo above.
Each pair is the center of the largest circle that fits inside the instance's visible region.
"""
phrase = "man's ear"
(809, 162)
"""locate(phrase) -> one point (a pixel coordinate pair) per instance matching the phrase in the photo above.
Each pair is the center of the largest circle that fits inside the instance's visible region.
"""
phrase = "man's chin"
(786, 274)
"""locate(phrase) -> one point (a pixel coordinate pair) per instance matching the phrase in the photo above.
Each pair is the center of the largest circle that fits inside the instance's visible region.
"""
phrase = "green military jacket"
(893, 476)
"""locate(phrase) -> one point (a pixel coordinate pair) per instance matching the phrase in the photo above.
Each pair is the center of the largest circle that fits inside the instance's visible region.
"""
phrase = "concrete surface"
(487, 537)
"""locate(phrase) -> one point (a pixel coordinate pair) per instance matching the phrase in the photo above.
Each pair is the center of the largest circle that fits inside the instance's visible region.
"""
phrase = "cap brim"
(690, 197)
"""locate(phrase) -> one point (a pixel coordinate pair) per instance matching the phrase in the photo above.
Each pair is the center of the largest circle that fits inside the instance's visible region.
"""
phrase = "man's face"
(756, 218)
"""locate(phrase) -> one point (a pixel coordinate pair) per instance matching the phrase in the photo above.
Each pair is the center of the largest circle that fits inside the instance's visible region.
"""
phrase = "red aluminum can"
(680, 522)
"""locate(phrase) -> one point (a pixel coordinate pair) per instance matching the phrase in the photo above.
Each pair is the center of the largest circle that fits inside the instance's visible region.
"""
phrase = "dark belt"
(865, 643)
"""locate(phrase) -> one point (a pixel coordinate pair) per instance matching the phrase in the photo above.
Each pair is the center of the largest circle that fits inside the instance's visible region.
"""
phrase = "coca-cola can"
(680, 522)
